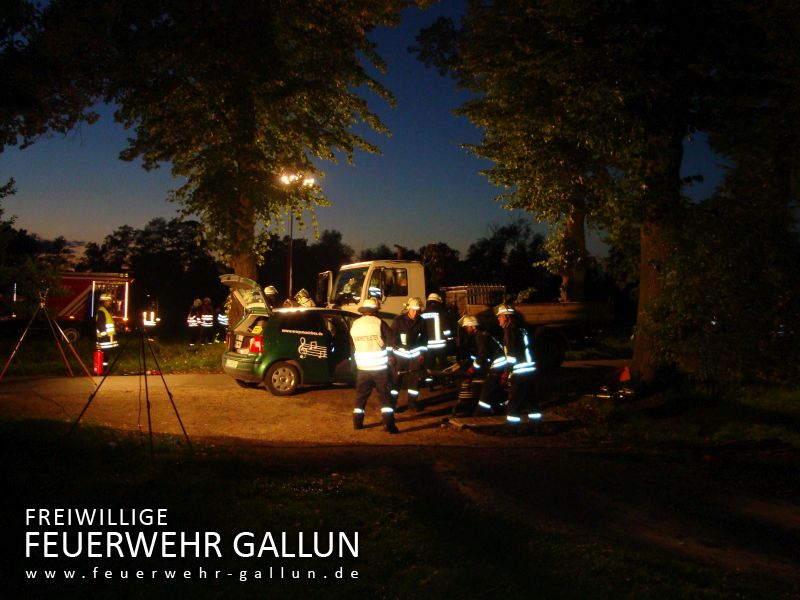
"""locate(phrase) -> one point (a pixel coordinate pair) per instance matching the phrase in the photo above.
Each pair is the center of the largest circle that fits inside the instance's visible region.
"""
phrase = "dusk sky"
(423, 188)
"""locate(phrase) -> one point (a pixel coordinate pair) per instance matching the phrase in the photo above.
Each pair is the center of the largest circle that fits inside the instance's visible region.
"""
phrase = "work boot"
(513, 425)
(388, 423)
(358, 420)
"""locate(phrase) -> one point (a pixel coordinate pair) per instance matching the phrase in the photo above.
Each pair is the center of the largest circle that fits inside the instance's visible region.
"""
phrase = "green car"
(286, 347)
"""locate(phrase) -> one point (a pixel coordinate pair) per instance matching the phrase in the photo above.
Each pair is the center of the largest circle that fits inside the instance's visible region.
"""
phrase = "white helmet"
(434, 297)
(414, 303)
(105, 297)
(469, 321)
(271, 290)
(503, 309)
(370, 305)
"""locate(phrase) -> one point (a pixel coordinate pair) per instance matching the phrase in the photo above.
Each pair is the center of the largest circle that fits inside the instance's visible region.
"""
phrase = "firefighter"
(222, 315)
(474, 356)
(303, 299)
(439, 333)
(516, 368)
(408, 353)
(206, 334)
(271, 296)
(106, 332)
(372, 342)
(150, 316)
(193, 321)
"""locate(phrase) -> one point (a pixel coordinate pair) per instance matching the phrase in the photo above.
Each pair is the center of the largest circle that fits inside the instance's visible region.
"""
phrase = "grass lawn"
(39, 355)
(415, 539)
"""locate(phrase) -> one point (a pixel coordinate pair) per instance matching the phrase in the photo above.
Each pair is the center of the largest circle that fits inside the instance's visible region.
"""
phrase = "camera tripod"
(54, 327)
(144, 346)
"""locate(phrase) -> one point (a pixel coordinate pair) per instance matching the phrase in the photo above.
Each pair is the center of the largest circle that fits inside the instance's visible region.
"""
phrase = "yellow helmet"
(469, 321)
(370, 305)
(414, 303)
(503, 309)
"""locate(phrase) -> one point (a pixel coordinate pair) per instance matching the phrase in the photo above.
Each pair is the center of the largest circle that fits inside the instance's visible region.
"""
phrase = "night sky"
(423, 188)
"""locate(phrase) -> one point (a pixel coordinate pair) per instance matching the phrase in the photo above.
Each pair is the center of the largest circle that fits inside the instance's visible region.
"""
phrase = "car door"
(303, 334)
(340, 363)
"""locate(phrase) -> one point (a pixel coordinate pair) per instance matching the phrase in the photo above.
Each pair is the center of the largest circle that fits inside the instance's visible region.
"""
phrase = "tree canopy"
(585, 104)
(231, 95)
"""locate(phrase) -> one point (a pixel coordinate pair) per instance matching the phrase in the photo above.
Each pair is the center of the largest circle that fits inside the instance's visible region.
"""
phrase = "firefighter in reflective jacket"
(438, 328)
(105, 330)
(516, 365)
(193, 320)
(409, 344)
(206, 321)
(372, 342)
(474, 356)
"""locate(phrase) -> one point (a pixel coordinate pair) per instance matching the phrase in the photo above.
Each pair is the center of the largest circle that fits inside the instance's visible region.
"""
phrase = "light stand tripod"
(144, 345)
(54, 326)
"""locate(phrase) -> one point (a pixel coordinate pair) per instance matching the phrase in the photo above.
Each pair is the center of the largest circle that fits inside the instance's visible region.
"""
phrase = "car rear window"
(302, 323)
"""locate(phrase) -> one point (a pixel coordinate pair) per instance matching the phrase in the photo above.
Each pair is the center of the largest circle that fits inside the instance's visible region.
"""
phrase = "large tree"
(37, 95)
(231, 95)
(585, 105)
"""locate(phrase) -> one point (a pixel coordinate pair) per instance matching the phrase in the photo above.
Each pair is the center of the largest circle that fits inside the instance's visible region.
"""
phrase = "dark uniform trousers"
(365, 382)
(520, 388)
(408, 374)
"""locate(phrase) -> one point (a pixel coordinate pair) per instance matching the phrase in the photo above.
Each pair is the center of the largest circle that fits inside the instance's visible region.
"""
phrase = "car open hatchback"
(285, 348)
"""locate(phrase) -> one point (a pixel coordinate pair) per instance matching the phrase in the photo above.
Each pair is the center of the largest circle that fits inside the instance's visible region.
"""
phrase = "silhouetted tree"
(231, 95)
(380, 252)
(589, 100)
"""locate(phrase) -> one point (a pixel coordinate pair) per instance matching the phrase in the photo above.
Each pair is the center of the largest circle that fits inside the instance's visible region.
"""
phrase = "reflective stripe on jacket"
(369, 335)
(104, 324)
(518, 351)
(409, 336)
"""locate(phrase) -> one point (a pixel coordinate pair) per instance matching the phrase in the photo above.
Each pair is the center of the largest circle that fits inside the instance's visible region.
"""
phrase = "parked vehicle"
(552, 324)
(286, 348)
(74, 303)
(390, 281)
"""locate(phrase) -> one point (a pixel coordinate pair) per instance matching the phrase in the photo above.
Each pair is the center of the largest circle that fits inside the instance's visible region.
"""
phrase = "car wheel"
(247, 384)
(72, 334)
(282, 379)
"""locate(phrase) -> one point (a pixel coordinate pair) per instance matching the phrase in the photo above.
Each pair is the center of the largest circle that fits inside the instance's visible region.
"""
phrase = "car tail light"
(256, 345)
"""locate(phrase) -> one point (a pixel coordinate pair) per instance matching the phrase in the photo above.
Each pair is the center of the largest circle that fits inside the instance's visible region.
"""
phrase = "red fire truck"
(75, 304)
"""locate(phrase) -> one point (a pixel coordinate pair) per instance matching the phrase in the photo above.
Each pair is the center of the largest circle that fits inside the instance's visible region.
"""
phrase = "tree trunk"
(663, 178)
(242, 260)
(573, 282)
(653, 253)
(244, 264)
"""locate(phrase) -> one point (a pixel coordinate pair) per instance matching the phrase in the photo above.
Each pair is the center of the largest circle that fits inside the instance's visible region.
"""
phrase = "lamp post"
(288, 180)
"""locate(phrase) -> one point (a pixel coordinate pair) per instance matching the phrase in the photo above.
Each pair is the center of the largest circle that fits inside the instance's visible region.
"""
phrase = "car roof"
(311, 309)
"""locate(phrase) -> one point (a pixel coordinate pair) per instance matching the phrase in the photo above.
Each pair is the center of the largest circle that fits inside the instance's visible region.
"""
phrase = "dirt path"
(673, 502)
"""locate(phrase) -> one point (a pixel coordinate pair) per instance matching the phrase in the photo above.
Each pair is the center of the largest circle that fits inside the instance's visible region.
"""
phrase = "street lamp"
(300, 181)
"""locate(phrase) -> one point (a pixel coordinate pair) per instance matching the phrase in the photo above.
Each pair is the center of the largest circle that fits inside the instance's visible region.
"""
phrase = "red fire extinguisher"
(98, 362)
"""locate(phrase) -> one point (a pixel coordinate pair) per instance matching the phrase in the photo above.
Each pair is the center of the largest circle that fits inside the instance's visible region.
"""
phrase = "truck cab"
(392, 282)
